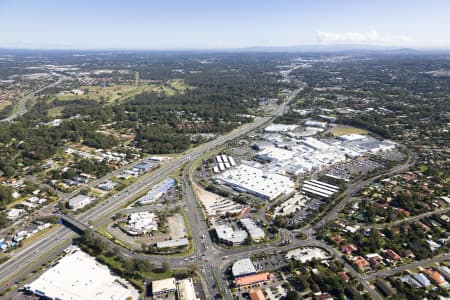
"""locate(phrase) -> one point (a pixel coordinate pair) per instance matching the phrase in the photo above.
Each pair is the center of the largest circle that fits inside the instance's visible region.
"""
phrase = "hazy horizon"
(204, 25)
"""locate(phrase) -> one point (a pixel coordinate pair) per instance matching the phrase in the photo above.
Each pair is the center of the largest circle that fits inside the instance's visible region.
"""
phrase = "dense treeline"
(221, 89)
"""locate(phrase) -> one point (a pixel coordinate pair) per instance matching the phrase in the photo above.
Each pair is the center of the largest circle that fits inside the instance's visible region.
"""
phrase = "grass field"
(343, 130)
(55, 111)
(114, 93)
(4, 104)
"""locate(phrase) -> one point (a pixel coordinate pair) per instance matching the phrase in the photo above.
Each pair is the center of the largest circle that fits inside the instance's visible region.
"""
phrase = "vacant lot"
(343, 130)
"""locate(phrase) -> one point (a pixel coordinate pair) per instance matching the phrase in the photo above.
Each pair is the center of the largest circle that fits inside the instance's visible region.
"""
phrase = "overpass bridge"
(74, 224)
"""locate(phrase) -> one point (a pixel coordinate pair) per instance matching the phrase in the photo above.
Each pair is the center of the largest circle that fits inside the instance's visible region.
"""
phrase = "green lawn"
(123, 92)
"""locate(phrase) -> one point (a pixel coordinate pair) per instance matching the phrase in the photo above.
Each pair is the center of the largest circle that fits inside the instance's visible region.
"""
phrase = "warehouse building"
(79, 276)
(157, 191)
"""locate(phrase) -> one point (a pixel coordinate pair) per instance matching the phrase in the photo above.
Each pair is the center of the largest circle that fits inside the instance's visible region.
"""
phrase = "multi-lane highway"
(26, 259)
(212, 260)
(21, 262)
(21, 106)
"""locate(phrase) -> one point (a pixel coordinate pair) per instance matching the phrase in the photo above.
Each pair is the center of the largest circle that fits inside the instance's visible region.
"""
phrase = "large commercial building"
(295, 154)
(79, 276)
(254, 181)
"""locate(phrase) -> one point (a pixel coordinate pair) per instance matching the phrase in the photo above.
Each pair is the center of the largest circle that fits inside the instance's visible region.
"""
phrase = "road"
(212, 259)
(24, 259)
(407, 220)
(393, 271)
(19, 264)
(356, 186)
(21, 106)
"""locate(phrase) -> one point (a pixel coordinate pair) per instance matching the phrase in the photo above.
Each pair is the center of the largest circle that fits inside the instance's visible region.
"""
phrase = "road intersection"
(211, 259)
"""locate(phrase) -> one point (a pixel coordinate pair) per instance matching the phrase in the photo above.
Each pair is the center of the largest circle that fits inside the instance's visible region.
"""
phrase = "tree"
(165, 267)
(292, 295)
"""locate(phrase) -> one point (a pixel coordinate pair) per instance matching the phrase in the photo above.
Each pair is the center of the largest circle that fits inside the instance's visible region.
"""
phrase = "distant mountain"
(312, 48)
(332, 48)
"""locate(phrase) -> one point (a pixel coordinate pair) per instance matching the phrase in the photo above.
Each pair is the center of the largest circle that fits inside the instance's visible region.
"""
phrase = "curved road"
(21, 106)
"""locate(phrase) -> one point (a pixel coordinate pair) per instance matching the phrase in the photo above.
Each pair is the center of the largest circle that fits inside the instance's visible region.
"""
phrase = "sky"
(226, 24)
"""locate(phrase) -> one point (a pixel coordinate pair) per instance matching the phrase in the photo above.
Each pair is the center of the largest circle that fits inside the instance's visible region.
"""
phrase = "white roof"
(243, 267)
(159, 286)
(256, 233)
(79, 199)
(305, 254)
(186, 289)
(277, 153)
(227, 233)
(173, 243)
(280, 128)
(352, 137)
(79, 276)
(256, 181)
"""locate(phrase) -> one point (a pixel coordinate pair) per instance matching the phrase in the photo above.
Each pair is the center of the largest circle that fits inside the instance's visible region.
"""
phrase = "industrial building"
(79, 276)
(254, 181)
(79, 201)
(157, 191)
(243, 267)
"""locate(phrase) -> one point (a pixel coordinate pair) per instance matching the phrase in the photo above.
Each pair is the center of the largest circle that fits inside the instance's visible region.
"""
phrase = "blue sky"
(187, 24)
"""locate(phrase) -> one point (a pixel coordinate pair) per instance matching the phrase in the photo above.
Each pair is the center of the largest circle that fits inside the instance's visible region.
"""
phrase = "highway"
(18, 266)
(21, 106)
(212, 260)
(25, 259)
